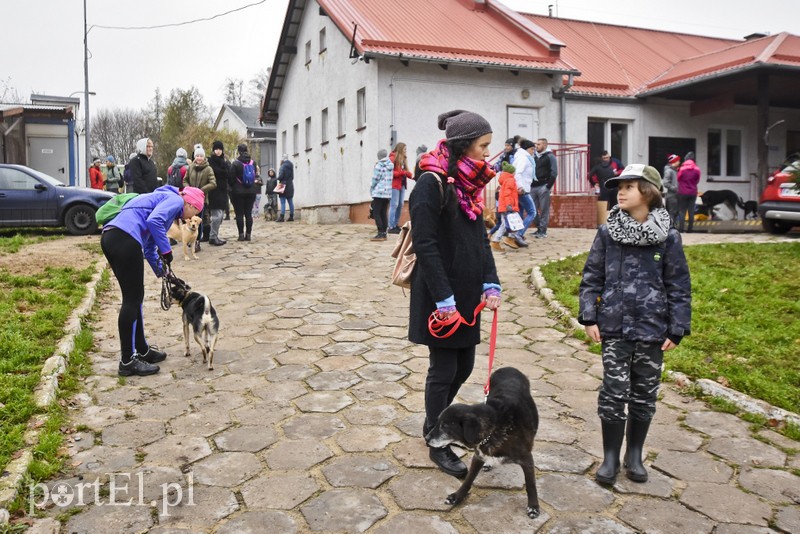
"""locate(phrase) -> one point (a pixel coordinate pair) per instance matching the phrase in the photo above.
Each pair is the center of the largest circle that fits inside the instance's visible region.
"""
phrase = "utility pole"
(86, 130)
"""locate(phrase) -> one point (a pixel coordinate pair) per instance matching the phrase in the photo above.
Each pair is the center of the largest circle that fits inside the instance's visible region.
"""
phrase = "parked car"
(779, 207)
(31, 198)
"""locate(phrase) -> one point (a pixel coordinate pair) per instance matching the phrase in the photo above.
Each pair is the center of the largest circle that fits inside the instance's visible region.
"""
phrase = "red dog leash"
(442, 328)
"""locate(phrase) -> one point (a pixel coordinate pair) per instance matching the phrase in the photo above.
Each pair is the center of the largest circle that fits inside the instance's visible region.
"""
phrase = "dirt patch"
(79, 252)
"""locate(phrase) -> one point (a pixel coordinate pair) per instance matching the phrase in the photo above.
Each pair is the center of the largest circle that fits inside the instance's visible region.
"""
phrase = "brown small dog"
(186, 232)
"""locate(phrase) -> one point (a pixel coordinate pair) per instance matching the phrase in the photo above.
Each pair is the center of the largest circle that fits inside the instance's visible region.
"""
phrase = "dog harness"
(444, 327)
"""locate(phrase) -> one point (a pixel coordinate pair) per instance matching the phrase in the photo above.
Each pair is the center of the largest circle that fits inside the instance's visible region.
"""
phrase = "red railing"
(573, 169)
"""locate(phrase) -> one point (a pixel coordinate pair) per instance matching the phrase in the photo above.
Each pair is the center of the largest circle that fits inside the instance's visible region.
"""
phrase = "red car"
(779, 207)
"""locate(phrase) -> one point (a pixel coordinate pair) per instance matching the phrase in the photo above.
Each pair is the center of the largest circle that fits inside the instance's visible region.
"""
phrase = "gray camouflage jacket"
(640, 293)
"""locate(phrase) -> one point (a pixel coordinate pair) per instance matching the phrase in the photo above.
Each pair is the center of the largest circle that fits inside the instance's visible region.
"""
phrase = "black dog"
(201, 315)
(503, 428)
(751, 209)
(723, 196)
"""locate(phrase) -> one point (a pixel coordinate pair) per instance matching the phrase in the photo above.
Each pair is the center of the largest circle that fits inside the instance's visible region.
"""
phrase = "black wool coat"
(286, 176)
(144, 174)
(453, 258)
(235, 178)
(218, 198)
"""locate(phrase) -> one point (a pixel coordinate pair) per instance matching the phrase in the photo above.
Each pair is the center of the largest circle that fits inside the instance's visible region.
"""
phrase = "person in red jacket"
(399, 158)
(96, 175)
(507, 203)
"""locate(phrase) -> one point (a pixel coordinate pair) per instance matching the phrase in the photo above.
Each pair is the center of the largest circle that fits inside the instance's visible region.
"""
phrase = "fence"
(573, 169)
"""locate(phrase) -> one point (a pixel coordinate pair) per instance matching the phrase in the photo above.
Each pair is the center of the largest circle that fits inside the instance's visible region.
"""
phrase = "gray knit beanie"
(460, 124)
(382, 153)
(421, 149)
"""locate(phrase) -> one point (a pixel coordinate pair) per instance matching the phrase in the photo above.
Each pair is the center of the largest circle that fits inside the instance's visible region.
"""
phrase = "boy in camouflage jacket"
(635, 298)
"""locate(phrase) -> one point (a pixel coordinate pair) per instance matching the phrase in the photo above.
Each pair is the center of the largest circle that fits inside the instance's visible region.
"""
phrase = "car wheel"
(775, 227)
(80, 220)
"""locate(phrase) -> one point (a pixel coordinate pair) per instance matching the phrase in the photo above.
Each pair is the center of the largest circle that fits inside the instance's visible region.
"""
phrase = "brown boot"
(510, 242)
(497, 246)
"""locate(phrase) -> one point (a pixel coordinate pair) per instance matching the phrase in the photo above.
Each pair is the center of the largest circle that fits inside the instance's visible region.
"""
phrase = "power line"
(173, 24)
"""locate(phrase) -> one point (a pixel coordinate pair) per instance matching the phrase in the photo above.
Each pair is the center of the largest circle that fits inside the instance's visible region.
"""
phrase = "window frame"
(724, 154)
(324, 126)
(361, 109)
(341, 118)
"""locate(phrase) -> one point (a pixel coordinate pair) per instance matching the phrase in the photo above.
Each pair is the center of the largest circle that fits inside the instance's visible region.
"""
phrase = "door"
(49, 155)
(25, 200)
(523, 122)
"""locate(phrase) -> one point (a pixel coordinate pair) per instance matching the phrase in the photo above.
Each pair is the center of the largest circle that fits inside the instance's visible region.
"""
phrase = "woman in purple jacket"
(688, 178)
(139, 232)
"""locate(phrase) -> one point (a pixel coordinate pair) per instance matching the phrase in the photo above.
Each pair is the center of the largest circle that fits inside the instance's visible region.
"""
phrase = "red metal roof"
(453, 31)
(781, 49)
(621, 60)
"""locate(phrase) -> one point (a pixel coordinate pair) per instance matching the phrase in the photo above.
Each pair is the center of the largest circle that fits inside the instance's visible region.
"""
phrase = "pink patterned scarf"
(472, 177)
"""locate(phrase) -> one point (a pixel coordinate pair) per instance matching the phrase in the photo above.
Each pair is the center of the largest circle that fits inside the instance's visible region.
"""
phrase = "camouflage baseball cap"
(636, 171)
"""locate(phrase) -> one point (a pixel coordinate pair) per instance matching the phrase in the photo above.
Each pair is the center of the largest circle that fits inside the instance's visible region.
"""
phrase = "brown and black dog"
(503, 427)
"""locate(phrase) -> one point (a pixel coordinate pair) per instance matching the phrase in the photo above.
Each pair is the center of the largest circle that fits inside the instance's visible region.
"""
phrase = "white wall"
(235, 124)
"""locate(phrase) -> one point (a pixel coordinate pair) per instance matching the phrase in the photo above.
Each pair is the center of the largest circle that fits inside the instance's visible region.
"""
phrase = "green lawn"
(34, 309)
(745, 317)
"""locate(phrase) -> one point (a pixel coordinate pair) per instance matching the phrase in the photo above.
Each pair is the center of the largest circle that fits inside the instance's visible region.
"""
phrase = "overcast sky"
(43, 39)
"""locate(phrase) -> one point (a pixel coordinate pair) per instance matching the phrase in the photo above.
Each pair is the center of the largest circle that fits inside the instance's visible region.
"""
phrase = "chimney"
(756, 35)
(474, 5)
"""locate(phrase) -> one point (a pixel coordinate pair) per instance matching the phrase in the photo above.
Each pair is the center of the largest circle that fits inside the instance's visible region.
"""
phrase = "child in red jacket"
(507, 204)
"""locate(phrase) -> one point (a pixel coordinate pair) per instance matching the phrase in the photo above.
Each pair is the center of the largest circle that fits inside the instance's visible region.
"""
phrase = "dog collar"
(485, 440)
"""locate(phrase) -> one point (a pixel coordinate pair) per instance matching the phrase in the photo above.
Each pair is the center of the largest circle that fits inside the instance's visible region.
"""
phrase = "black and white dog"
(722, 196)
(502, 428)
(201, 315)
(751, 209)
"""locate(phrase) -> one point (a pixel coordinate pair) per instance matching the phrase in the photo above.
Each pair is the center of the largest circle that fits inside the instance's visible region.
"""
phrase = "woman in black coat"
(243, 196)
(455, 268)
(286, 178)
(217, 198)
(143, 170)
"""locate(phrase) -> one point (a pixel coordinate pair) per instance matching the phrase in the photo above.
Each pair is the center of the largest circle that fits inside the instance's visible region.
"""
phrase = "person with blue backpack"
(242, 179)
(139, 232)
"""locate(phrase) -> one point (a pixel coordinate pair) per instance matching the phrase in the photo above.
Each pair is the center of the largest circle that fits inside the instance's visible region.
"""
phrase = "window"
(361, 108)
(324, 126)
(724, 153)
(226, 124)
(308, 52)
(308, 134)
(12, 179)
(322, 45)
(341, 118)
(295, 135)
(284, 146)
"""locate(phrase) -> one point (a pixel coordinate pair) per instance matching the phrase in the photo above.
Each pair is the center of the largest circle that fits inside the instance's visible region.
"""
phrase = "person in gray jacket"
(671, 186)
(635, 298)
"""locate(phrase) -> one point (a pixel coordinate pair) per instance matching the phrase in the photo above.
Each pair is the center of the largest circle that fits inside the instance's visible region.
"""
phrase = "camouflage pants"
(631, 375)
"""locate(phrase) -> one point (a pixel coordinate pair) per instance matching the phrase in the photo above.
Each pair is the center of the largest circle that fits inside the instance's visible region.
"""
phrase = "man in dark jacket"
(598, 176)
(286, 178)
(545, 173)
(143, 170)
(218, 198)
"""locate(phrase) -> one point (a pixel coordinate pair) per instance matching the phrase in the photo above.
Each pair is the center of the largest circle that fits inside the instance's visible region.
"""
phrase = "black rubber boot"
(613, 433)
(291, 218)
(280, 218)
(247, 236)
(636, 434)
(241, 236)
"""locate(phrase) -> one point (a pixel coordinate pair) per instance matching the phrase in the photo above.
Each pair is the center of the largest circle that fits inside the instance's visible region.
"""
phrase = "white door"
(49, 155)
(523, 122)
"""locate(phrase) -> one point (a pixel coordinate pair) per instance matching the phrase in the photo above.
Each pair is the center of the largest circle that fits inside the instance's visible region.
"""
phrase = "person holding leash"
(455, 269)
(137, 233)
(635, 299)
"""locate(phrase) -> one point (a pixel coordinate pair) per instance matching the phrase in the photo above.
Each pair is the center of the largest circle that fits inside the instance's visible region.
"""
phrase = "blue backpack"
(248, 174)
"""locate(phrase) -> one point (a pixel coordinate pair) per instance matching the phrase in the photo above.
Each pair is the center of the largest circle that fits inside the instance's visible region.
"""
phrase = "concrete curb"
(47, 391)
(709, 387)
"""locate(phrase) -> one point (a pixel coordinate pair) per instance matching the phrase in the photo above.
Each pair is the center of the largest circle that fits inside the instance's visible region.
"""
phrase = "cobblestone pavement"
(311, 419)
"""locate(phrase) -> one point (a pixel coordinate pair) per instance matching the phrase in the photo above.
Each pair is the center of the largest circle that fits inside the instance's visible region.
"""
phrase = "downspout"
(72, 151)
(562, 93)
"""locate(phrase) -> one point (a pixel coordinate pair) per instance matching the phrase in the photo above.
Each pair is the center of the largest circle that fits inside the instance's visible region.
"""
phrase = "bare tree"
(257, 88)
(234, 92)
(9, 94)
(115, 132)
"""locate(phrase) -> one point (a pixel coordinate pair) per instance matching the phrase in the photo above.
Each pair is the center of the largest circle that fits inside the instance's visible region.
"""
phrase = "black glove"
(167, 258)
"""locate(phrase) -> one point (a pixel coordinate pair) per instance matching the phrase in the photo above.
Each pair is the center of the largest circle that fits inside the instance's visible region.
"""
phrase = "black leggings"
(448, 370)
(125, 256)
(243, 206)
(380, 211)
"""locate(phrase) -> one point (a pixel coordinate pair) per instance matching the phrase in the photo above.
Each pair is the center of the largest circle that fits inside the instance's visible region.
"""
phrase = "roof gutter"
(714, 76)
(476, 64)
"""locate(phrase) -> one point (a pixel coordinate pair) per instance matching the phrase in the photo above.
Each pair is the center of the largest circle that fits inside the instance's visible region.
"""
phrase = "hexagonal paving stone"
(203, 506)
(673, 438)
(359, 471)
(381, 414)
(408, 522)
(658, 516)
(747, 451)
(300, 454)
(317, 426)
(423, 490)
(200, 424)
(693, 467)
(339, 363)
(177, 450)
(555, 457)
(788, 519)
(657, 485)
(717, 424)
(559, 491)
(246, 438)
(308, 343)
(333, 380)
(282, 393)
(345, 349)
(343, 510)
(726, 504)
(226, 469)
(366, 438)
(262, 413)
(286, 373)
(484, 514)
(590, 525)
(378, 356)
(411, 425)
(772, 484)
(133, 433)
(269, 492)
(357, 324)
(368, 391)
(323, 401)
(255, 523)
(111, 519)
(344, 336)
(317, 330)
(382, 372)
(104, 459)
